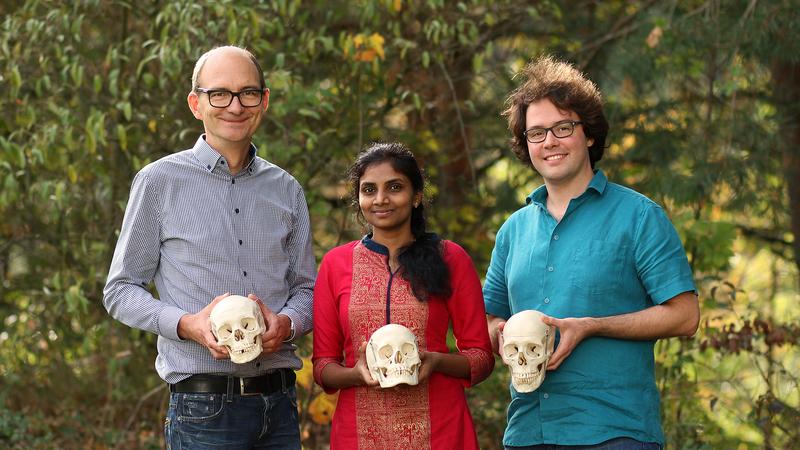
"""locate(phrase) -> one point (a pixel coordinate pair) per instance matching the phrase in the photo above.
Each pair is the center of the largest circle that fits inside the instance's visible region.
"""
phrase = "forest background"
(703, 98)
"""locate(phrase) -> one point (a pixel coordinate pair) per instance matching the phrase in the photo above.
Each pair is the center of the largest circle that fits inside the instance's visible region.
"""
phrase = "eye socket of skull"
(408, 349)
(510, 350)
(224, 332)
(249, 323)
(534, 350)
(386, 351)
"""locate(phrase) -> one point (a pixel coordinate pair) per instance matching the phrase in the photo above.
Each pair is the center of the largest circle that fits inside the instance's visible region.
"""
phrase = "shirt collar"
(598, 184)
(210, 158)
(382, 249)
(374, 246)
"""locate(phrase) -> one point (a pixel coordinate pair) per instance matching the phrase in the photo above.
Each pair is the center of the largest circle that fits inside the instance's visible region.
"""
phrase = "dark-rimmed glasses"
(222, 98)
(560, 130)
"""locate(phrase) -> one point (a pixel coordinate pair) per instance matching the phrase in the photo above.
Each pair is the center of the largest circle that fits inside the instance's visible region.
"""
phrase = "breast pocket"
(597, 267)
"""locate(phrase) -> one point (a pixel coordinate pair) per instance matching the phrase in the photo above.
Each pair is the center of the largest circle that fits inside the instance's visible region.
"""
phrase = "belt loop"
(229, 389)
(284, 389)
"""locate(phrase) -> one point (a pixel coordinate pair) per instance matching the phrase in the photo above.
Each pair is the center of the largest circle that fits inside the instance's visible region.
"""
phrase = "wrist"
(292, 331)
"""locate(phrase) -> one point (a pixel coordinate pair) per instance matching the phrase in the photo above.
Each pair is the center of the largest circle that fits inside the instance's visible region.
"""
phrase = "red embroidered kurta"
(350, 299)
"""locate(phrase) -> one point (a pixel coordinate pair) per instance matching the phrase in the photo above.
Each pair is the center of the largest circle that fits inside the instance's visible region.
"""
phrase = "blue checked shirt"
(199, 232)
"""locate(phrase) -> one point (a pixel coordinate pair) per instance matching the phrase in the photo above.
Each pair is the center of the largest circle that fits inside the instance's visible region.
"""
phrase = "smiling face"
(386, 198)
(228, 129)
(562, 162)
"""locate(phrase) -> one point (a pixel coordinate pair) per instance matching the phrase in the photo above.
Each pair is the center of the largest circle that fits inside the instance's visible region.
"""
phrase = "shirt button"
(233, 181)
(550, 269)
(547, 299)
(240, 242)
(208, 167)
(245, 273)
(237, 210)
(555, 237)
(546, 395)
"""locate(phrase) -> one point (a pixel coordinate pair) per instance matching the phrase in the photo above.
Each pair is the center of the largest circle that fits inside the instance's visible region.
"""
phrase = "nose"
(550, 139)
(380, 196)
(236, 105)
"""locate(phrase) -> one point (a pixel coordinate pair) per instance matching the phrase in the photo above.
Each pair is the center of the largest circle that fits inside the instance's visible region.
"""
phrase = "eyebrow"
(554, 124)
(246, 88)
(372, 183)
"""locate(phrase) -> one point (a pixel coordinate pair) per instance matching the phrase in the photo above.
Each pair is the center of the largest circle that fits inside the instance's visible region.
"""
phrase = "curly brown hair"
(569, 90)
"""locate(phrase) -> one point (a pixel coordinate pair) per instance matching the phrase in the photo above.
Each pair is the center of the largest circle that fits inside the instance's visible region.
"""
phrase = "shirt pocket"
(597, 267)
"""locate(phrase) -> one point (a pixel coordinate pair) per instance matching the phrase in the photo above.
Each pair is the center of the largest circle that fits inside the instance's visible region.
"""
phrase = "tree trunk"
(786, 78)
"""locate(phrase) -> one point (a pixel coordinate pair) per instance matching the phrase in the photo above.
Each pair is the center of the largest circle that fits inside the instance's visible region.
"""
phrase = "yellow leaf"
(322, 407)
(305, 376)
(72, 174)
(376, 43)
(397, 5)
(152, 125)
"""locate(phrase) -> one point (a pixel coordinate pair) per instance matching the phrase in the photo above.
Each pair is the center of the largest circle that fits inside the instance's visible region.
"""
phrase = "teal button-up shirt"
(614, 252)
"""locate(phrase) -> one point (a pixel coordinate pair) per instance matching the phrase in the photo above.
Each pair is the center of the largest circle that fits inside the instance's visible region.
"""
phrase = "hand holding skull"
(197, 328)
(277, 327)
(573, 331)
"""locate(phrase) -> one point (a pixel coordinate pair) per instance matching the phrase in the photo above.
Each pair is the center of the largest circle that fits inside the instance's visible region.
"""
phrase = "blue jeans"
(613, 444)
(216, 421)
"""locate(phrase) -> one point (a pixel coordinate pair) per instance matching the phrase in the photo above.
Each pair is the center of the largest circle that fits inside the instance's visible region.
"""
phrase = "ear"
(265, 102)
(193, 100)
(417, 199)
(590, 142)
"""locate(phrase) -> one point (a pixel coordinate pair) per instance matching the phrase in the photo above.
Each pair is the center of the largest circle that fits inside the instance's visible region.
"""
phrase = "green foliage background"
(701, 99)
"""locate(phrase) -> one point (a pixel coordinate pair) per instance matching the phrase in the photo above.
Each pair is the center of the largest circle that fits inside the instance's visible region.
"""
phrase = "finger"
(556, 359)
(219, 298)
(551, 321)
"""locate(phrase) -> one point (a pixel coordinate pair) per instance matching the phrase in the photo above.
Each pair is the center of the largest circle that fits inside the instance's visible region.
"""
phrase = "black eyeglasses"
(560, 130)
(222, 98)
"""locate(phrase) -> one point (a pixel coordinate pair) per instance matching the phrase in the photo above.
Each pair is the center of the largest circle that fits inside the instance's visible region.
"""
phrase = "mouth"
(236, 120)
(382, 213)
(555, 157)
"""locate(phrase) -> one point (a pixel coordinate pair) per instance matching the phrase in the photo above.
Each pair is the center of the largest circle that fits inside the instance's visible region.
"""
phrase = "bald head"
(198, 66)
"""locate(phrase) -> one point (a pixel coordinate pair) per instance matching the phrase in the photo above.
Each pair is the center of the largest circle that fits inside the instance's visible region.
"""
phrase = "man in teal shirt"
(601, 261)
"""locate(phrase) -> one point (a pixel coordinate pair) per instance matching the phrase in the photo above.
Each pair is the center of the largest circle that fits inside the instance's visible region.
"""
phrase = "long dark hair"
(422, 263)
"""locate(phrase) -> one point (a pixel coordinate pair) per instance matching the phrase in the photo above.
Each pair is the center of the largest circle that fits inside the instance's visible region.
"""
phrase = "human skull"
(392, 356)
(237, 324)
(527, 345)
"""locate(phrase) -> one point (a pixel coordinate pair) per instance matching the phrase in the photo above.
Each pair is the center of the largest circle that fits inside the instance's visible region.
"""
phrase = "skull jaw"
(241, 353)
(393, 375)
(526, 381)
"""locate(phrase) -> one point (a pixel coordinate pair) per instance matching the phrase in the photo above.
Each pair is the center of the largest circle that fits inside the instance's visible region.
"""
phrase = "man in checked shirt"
(203, 223)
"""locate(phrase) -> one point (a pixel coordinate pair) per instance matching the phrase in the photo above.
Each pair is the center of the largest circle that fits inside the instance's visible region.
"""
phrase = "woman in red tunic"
(398, 274)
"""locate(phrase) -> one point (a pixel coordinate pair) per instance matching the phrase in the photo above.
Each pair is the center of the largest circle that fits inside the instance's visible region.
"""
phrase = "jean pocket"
(199, 407)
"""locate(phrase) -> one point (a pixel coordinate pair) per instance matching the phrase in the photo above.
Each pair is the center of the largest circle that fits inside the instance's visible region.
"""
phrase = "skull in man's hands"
(237, 324)
(527, 346)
